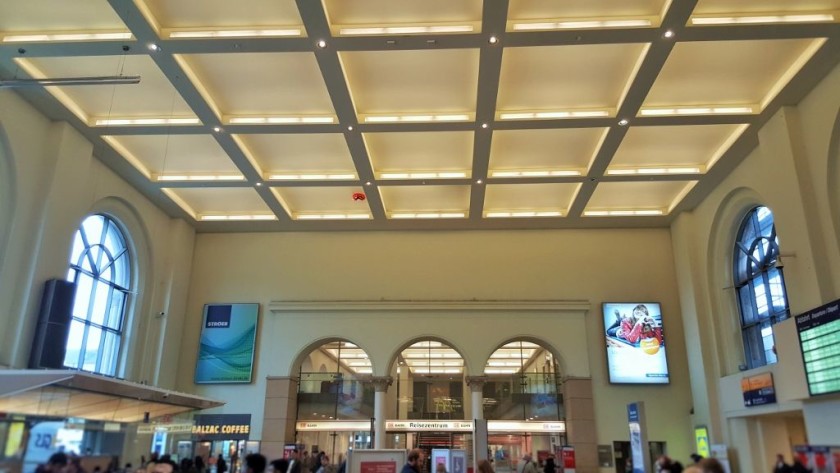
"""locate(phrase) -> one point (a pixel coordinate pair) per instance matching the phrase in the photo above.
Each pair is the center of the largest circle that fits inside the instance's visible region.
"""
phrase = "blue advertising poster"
(638, 440)
(226, 350)
(635, 340)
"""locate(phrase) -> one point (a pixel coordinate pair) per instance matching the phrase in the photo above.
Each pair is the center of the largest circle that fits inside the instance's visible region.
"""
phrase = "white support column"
(380, 384)
(476, 384)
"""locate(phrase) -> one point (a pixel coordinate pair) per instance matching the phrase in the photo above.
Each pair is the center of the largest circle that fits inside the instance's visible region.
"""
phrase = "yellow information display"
(701, 439)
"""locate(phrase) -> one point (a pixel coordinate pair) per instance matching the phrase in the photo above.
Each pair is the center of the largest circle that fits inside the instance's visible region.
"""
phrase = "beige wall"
(56, 181)
(794, 172)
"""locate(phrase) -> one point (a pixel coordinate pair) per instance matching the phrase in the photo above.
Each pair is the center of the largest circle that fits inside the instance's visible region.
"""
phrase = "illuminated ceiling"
(271, 114)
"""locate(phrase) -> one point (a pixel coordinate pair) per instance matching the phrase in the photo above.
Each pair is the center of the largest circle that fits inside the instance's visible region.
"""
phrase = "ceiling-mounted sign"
(333, 426)
(222, 427)
(513, 426)
(428, 426)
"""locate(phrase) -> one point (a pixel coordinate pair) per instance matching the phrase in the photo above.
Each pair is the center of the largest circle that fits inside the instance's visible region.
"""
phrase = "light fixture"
(648, 171)
(367, 183)
(236, 217)
(321, 44)
(623, 122)
(621, 213)
(661, 112)
(259, 184)
(154, 47)
(424, 175)
(522, 214)
(199, 177)
(386, 30)
(273, 32)
(553, 114)
(350, 128)
(66, 81)
(580, 25)
(312, 177)
(484, 125)
(669, 34)
(417, 118)
(146, 121)
(280, 120)
(740, 20)
(493, 40)
(427, 215)
(536, 173)
(479, 181)
(333, 216)
(39, 38)
(217, 129)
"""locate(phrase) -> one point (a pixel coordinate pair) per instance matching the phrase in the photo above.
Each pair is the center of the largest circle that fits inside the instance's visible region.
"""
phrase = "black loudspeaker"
(50, 344)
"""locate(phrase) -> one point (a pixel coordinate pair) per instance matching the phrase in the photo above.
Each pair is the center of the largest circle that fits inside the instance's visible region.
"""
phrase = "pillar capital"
(380, 383)
(476, 383)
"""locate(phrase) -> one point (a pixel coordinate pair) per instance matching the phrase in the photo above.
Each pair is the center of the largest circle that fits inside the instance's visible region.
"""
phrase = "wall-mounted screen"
(819, 337)
(226, 350)
(635, 341)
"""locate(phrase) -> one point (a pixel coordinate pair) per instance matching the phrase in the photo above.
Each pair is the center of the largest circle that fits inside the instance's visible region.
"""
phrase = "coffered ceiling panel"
(557, 149)
(716, 7)
(584, 9)
(415, 198)
(263, 84)
(223, 201)
(58, 15)
(404, 12)
(386, 82)
(429, 151)
(300, 153)
(566, 77)
(692, 145)
(224, 13)
(154, 96)
(178, 154)
(636, 195)
(528, 197)
(323, 201)
(726, 72)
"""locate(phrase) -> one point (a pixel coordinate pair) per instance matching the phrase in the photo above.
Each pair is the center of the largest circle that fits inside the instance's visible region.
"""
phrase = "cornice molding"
(430, 305)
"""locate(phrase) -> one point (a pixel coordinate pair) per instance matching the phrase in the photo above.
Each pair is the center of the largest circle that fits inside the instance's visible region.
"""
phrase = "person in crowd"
(781, 466)
(57, 463)
(281, 465)
(693, 469)
(414, 460)
(440, 468)
(484, 466)
(663, 464)
(549, 467)
(695, 458)
(198, 463)
(221, 464)
(255, 463)
(798, 467)
(306, 461)
(711, 465)
(294, 462)
(165, 465)
(325, 462)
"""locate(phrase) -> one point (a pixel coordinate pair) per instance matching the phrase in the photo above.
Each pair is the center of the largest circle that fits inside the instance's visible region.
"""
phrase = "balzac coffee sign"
(221, 427)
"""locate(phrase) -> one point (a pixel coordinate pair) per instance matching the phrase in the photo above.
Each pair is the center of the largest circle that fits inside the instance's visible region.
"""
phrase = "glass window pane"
(107, 273)
(92, 226)
(753, 346)
(78, 248)
(74, 344)
(121, 270)
(110, 349)
(100, 303)
(777, 293)
(760, 294)
(768, 343)
(116, 310)
(82, 301)
(91, 349)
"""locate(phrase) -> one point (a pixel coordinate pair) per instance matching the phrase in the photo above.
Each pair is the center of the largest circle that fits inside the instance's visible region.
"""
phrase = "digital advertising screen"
(226, 349)
(819, 337)
(635, 340)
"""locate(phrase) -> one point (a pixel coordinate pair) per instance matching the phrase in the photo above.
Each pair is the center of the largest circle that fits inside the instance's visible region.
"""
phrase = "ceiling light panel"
(530, 11)
(566, 78)
(260, 85)
(413, 83)
(369, 14)
(621, 196)
(63, 16)
(300, 154)
(762, 8)
(153, 98)
(333, 201)
(727, 73)
(671, 146)
(448, 200)
(223, 201)
(555, 150)
(426, 152)
(179, 155)
(523, 199)
(60, 37)
(224, 14)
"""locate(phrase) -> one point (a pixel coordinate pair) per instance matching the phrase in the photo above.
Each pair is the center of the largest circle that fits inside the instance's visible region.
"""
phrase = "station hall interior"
(490, 228)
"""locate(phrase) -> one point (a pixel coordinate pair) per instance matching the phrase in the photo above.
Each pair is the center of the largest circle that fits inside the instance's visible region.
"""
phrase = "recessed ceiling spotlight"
(367, 183)
(669, 34)
(321, 43)
(154, 47)
(259, 184)
(479, 181)
(350, 128)
(493, 40)
(483, 125)
(217, 129)
(623, 122)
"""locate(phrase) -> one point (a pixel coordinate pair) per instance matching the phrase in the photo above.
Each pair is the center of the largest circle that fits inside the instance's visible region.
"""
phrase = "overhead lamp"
(662, 112)
(424, 175)
(758, 19)
(581, 25)
(387, 30)
(145, 121)
(553, 114)
(39, 38)
(649, 171)
(622, 213)
(312, 177)
(536, 173)
(66, 81)
(236, 217)
(254, 33)
(523, 214)
(427, 215)
(199, 177)
(280, 120)
(334, 216)
(456, 117)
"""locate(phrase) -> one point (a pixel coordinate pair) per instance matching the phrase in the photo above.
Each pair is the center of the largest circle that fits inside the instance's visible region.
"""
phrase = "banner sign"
(333, 426)
(758, 390)
(222, 427)
(568, 459)
(701, 441)
(226, 347)
(428, 426)
(639, 452)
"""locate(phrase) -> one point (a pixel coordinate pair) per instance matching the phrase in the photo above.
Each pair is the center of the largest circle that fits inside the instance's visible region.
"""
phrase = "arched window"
(760, 285)
(100, 267)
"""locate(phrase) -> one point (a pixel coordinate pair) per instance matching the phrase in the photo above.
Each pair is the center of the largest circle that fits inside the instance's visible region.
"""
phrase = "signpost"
(639, 451)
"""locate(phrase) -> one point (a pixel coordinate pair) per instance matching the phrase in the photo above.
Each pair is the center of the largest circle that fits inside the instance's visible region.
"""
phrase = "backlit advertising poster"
(635, 340)
(639, 451)
(226, 351)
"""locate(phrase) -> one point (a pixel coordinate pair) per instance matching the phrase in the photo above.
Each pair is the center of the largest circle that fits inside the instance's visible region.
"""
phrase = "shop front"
(335, 437)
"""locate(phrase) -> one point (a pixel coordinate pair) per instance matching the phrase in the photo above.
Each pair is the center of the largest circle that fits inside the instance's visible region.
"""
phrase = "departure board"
(819, 337)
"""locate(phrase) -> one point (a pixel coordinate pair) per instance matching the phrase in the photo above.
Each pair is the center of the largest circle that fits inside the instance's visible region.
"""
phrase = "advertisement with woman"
(635, 340)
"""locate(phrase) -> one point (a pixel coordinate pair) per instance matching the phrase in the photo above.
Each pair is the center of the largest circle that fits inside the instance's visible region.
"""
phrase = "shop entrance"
(623, 456)
(507, 450)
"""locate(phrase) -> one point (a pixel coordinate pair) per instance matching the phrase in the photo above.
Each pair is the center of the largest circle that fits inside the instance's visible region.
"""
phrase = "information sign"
(819, 338)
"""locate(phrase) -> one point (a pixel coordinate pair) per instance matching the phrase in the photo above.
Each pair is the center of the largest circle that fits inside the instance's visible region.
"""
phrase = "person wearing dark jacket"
(415, 457)
(549, 467)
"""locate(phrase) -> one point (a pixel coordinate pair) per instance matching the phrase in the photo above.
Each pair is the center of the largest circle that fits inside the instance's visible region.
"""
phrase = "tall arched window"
(760, 285)
(100, 267)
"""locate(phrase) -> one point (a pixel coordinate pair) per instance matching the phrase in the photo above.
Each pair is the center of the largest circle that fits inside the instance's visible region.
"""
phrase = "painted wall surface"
(57, 182)
(596, 266)
(794, 172)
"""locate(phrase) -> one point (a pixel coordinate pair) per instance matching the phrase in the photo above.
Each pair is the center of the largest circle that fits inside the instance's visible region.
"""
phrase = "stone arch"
(558, 357)
(8, 191)
(304, 352)
(833, 176)
(422, 338)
